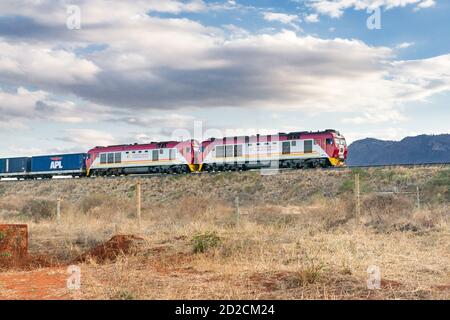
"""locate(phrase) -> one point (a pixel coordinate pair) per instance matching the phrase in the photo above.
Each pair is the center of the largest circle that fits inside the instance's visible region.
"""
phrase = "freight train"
(284, 150)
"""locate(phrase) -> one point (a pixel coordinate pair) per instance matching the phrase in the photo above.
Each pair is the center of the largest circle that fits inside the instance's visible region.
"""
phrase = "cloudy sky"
(80, 73)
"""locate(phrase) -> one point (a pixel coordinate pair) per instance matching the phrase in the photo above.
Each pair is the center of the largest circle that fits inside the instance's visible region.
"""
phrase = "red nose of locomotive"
(336, 148)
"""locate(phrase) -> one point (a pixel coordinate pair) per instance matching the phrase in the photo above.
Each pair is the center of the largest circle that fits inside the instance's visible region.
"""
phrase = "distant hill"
(410, 150)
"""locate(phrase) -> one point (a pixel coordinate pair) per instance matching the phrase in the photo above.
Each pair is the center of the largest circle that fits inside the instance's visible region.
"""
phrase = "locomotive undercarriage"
(179, 169)
(282, 164)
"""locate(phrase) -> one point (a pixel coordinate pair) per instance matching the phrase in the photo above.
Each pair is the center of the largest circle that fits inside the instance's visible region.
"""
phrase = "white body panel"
(267, 151)
(140, 158)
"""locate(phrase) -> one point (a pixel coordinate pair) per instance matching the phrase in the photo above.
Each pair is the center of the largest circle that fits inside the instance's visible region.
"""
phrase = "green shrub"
(347, 186)
(202, 242)
(438, 187)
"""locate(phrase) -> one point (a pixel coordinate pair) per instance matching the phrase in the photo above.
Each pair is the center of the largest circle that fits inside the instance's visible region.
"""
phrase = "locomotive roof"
(283, 134)
(138, 146)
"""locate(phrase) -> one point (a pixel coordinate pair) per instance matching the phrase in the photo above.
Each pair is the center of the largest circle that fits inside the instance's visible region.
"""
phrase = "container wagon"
(15, 167)
(58, 165)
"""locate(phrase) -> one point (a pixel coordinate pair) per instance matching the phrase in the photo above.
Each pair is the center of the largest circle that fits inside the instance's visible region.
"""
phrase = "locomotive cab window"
(330, 141)
(118, 157)
(103, 158)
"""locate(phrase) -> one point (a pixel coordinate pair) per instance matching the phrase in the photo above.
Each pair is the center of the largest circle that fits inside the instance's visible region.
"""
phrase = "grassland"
(295, 238)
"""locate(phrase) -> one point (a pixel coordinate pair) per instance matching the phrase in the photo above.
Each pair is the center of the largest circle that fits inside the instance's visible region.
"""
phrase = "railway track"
(263, 171)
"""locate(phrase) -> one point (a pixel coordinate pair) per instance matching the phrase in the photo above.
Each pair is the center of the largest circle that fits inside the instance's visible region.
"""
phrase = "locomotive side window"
(171, 154)
(294, 143)
(103, 158)
(155, 155)
(161, 151)
(286, 147)
(110, 157)
(118, 157)
(308, 147)
(220, 151)
(238, 150)
(229, 151)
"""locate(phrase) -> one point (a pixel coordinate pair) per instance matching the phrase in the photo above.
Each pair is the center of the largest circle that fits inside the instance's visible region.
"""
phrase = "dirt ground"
(295, 238)
(40, 284)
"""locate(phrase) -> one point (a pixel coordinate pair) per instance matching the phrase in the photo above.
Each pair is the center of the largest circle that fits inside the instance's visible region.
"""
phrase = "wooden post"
(138, 203)
(58, 210)
(238, 213)
(358, 200)
(418, 197)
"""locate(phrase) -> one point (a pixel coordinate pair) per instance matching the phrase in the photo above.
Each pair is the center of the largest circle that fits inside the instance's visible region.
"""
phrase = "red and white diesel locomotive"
(285, 150)
(155, 157)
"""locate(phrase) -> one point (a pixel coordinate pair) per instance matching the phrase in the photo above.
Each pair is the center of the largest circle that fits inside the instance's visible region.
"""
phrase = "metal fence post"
(58, 210)
(418, 197)
(138, 203)
(238, 213)
(358, 200)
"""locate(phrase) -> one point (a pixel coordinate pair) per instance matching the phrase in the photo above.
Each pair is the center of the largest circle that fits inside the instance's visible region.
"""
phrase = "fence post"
(138, 203)
(58, 210)
(358, 200)
(418, 197)
(238, 213)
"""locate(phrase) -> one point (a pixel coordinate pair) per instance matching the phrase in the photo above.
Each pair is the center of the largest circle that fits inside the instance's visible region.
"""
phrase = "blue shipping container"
(15, 165)
(63, 163)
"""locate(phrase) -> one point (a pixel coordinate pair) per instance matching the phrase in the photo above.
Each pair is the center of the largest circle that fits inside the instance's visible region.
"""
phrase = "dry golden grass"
(296, 237)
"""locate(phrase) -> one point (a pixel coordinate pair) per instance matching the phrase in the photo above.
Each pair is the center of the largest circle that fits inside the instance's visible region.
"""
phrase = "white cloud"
(426, 4)
(19, 107)
(281, 17)
(312, 18)
(405, 45)
(336, 8)
(153, 63)
(40, 64)
(88, 138)
(380, 116)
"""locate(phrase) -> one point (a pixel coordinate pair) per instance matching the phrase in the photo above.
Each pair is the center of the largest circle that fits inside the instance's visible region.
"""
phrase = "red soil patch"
(390, 284)
(13, 244)
(444, 287)
(272, 281)
(45, 284)
(111, 249)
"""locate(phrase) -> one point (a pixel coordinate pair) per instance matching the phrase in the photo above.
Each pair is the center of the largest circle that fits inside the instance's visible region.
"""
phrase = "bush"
(38, 209)
(202, 242)
(438, 187)
(90, 202)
